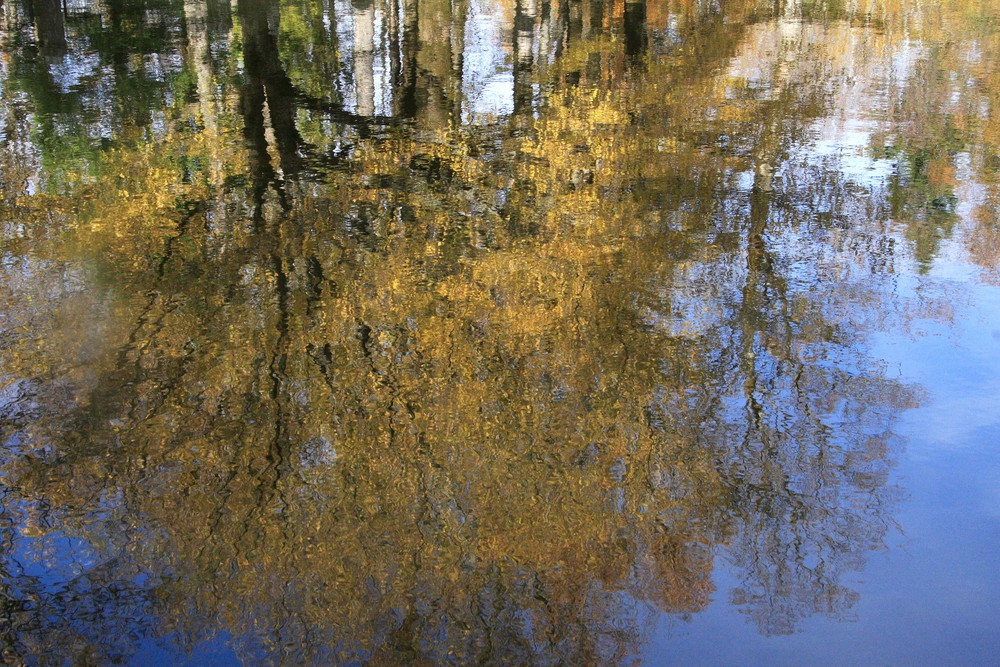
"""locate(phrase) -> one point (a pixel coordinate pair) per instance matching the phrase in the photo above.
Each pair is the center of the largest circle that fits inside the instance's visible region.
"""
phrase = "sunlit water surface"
(458, 331)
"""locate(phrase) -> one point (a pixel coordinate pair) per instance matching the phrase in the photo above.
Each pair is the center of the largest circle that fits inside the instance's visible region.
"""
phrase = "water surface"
(458, 331)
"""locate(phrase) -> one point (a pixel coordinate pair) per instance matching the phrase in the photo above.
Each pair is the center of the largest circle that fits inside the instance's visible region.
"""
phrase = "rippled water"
(458, 331)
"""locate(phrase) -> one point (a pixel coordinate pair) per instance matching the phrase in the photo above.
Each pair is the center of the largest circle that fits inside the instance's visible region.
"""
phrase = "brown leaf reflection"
(352, 371)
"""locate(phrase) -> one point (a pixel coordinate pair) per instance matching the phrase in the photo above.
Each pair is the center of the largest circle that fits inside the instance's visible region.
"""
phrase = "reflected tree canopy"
(442, 331)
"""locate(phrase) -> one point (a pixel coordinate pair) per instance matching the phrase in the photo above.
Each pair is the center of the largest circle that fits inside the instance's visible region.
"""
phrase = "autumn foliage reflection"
(355, 372)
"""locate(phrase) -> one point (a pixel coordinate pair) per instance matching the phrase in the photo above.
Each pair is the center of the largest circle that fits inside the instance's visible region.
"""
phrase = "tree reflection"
(400, 388)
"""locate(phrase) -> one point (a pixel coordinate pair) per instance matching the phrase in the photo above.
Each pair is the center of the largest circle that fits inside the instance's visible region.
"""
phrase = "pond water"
(513, 332)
